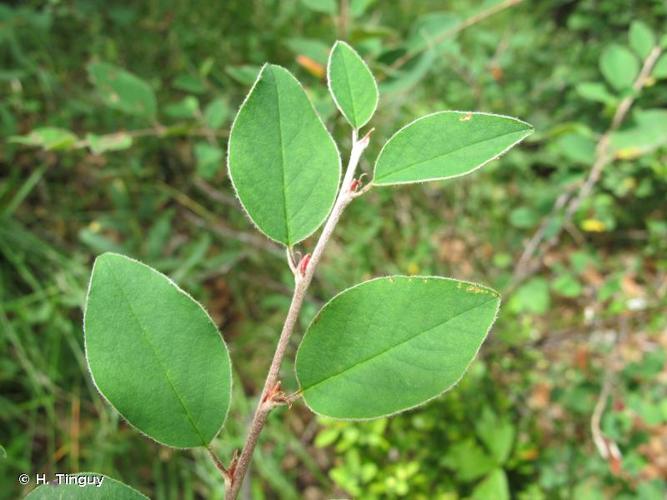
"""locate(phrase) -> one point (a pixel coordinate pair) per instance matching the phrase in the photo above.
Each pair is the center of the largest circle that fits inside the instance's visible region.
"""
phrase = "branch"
(569, 202)
(302, 279)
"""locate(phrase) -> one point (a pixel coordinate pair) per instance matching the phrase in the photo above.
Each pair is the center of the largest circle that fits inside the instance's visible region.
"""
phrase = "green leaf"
(648, 133)
(48, 138)
(497, 434)
(99, 144)
(283, 163)
(468, 459)
(155, 354)
(209, 159)
(108, 488)
(493, 486)
(122, 90)
(445, 145)
(216, 113)
(323, 6)
(619, 66)
(642, 39)
(391, 344)
(594, 91)
(660, 68)
(352, 85)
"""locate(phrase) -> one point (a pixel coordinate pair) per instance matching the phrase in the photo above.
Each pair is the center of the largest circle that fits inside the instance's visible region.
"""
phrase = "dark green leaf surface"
(108, 489)
(445, 145)
(155, 354)
(283, 163)
(352, 85)
(393, 343)
(122, 90)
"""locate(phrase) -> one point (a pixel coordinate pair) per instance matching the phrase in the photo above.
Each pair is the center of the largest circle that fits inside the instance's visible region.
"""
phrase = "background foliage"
(114, 118)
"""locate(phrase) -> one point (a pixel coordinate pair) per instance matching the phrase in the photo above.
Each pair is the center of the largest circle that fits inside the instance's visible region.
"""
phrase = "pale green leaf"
(99, 144)
(216, 113)
(122, 90)
(155, 354)
(445, 145)
(619, 66)
(497, 434)
(391, 344)
(648, 133)
(660, 68)
(594, 91)
(209, 159)
(642, 39)
(108, 488)
(493, 486)
(323, 6)
(283, 163)
(48, 138)
(352, 85)
(468, 459)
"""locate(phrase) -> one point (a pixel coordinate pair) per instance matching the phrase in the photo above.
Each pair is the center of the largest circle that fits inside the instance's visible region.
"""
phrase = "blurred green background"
(579, 347)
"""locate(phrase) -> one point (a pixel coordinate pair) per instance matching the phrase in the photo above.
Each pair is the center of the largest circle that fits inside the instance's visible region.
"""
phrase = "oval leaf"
(122, 90)
(393, 343)
(97, 487)
(283, 163)
(619, 66)
(352, 85)
(445, 145)
(155, 354)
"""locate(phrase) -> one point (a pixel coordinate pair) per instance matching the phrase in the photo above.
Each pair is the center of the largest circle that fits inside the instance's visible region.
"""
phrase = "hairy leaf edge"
(454, 384)
(528, 132)
(179, 289)
(231, 178)
(331, 92)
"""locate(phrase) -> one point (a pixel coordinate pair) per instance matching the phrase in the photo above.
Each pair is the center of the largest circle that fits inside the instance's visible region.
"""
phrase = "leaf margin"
(208, 316)
(333, 95)
(529, 131)
(228, 149)
(387, 277)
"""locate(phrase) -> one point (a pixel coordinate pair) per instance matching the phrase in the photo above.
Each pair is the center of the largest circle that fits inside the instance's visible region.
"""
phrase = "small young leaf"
(283, 163)
(122, 90)
(391, 344)
(352, 85)
(642, 39)
(209, 159)
(99, 144)
(323, 6)
(493, 486)
(108, 488)
(155, 354)
(445, 145)
(48, 138)
(619, 66)
(660, 68)
(216, 113)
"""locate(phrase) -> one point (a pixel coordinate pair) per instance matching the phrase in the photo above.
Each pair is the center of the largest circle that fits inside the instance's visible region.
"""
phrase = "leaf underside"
(155, 354)
(283, 163)
(446, 144)
(393, 343)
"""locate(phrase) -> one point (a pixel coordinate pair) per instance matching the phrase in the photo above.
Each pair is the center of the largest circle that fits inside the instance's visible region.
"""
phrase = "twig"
(302, 280)
(527, 265)
(474, 19)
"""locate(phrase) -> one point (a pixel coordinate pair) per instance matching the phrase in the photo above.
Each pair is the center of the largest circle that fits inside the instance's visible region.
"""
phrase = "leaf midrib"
(447, 153)
(144, 333)
(349, 89)
(282, 158)
(394, 346)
